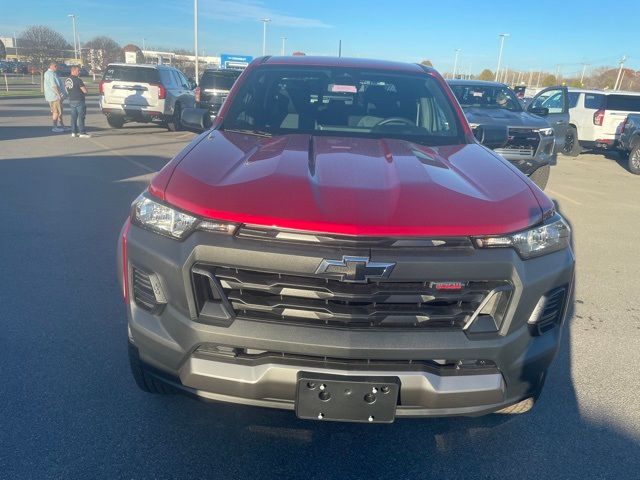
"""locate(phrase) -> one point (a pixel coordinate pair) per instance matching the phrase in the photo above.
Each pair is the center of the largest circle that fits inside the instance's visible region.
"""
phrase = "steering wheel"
(388, 121)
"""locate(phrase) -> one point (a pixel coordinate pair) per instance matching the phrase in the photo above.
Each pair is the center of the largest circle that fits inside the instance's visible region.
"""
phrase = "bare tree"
(3, 51)
(110, 52)
(426, 63)
(41, 45)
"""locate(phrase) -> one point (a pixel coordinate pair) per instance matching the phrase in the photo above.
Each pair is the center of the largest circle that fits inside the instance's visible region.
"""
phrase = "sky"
(543, 33)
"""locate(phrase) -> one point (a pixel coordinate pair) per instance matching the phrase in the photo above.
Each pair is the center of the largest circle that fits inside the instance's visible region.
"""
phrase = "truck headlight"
(545, 132)
(550, 237)
(165, 220)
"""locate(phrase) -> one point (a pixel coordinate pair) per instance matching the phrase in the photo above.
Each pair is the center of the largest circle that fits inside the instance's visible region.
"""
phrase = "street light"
(284, 39)
(455, 62)
(502, 37)
(195, 38)
(264, 35)
(75, 45)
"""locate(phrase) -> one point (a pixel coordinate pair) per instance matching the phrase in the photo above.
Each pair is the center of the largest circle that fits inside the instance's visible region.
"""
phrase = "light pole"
(195, 38)
(284, 39)
(502, 37)
(75, 45)
(264, 35)
(619, 80)
(584, 69)
(455, 62)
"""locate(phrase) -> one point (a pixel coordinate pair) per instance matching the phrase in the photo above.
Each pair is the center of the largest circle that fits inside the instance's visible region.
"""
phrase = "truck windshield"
(219, 79)
(486, 96)
(346, 102)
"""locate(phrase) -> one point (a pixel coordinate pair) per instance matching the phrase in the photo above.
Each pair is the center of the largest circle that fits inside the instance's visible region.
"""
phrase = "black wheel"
(541, 176)
(115, 122)
(145, 382)
(174, 124)
(571, 147)
(634, 159)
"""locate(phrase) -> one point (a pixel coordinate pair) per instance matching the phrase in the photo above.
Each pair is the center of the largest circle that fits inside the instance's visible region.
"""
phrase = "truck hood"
(500, 116)
(351, 186)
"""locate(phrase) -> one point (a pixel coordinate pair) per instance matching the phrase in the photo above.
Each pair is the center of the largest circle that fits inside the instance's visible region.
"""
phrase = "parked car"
(532, 139)
(145, 93)
(341, 245)
(596, 117)
(213, 88)
(5, 67)
(629, 143)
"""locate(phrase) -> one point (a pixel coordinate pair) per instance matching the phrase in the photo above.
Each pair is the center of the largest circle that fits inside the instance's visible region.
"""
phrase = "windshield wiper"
(246, 131)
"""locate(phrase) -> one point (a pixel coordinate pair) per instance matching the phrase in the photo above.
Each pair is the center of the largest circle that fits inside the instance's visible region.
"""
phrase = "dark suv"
(214, 87)
(340, 244)
(535, 132)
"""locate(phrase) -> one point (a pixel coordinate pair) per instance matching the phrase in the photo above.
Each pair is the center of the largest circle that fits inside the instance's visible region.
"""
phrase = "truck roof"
(318, 61)
(604, 92)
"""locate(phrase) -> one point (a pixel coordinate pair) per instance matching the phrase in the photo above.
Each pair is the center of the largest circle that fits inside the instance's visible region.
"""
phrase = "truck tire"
(541, 176)
(146, 382)
(571, 146)
(115, 122)
(174, 123)
(634, 159)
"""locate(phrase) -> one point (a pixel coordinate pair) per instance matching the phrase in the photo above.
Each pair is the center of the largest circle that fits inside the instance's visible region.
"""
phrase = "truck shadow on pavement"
(72, 410)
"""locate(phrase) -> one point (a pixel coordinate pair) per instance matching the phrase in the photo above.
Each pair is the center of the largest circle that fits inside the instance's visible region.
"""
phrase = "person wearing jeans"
(77, 91)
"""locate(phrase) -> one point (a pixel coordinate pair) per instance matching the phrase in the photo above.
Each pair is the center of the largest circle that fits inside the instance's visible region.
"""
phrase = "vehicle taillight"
(197, 92)
(624, 124)
(598, 117)
(101, 86)
(162, 92)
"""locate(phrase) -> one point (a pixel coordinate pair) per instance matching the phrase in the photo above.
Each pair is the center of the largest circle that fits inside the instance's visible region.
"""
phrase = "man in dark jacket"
(76, 92)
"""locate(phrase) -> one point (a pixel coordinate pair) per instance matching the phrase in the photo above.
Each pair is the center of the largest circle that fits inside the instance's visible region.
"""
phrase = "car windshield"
(346, 102)
(219, 80)
(486, 96)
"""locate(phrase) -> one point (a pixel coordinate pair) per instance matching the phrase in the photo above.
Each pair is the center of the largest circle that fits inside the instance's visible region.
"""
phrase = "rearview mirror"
(196, 119)
(542, 111)
(492, 136)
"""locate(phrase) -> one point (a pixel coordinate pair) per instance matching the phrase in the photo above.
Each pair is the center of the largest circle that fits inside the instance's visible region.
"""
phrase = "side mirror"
(492, 136)
(542, 111)
(196, 119)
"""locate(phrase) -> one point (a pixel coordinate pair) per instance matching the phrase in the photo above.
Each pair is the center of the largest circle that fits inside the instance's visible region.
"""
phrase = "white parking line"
(130, 160)
(564, 197)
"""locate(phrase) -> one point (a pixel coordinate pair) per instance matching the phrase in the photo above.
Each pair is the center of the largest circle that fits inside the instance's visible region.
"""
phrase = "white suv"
(596, 117)
(145, 93)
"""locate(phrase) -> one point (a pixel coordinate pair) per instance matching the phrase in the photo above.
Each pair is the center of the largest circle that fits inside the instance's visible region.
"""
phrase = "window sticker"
(343, 88)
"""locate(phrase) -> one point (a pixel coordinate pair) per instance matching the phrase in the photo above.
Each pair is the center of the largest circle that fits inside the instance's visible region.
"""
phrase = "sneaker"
(74, 134)
(57, 129)
(84, 135)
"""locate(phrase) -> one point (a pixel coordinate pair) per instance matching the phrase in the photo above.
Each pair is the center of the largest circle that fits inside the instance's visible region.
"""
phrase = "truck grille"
(522, 141)
(276, 297)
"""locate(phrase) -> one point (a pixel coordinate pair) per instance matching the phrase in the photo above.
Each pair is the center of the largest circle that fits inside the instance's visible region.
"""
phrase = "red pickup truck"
(340, 244)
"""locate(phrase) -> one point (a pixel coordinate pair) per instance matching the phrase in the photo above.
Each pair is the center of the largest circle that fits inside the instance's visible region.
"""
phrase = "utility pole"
(622, 60)
(502, 37)
(284, 39)
(584, 69)
(264, 35)
(339, 48)
(455, 62)
(15, 45)
(75, 45)
(195, 39)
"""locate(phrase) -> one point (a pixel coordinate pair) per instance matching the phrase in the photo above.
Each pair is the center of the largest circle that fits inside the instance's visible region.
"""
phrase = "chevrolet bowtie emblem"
(354, 269)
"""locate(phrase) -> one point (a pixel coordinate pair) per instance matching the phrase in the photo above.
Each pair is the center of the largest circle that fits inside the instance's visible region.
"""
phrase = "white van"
(596, 117)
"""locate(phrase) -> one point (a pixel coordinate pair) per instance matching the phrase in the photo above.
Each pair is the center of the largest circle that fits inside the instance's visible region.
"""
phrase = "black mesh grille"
(524, 141)
(143, 290)
(285, 298)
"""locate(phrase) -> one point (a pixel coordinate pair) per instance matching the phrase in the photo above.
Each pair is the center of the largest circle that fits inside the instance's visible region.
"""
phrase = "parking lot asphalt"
(69, 408)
